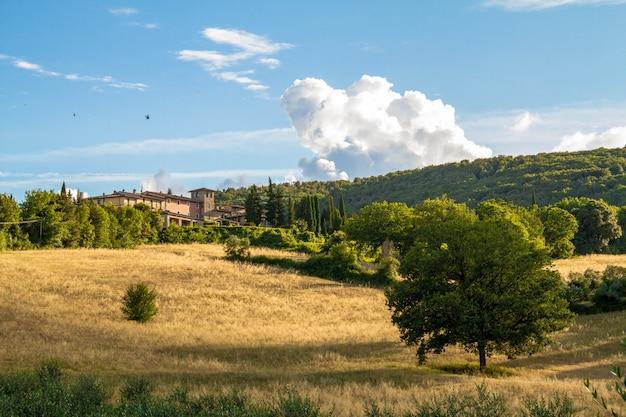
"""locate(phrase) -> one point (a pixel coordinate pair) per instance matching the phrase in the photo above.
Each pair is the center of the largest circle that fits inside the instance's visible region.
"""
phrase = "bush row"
(277, 238)
(49, 393)
(597, 292)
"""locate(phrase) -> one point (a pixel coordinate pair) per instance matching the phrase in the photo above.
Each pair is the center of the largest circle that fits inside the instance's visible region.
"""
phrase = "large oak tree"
(479, 280)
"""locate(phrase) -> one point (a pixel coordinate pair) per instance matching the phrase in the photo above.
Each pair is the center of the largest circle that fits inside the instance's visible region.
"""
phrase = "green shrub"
(341, 264)
(483, 404)
(50, 371)
(87, 395)
(136, 390)
(594, 292)
(139, 303)
(295, 405)
(237, 248)
(557, 406)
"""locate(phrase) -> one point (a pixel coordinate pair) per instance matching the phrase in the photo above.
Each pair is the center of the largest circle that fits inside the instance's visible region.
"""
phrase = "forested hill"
(597, 174)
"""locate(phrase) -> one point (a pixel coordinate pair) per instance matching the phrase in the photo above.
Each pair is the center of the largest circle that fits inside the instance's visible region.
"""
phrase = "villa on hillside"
(178, 209)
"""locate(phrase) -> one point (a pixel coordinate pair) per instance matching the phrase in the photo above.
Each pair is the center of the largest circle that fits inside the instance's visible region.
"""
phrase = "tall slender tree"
(342, 208)
(291, 212)
(253, 205)
(271, 207)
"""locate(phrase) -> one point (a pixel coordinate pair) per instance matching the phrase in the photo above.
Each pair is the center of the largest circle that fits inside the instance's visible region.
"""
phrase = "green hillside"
(553, 176)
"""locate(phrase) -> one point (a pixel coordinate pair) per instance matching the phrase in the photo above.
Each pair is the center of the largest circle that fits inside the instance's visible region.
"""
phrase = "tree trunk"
(482, 355)
(387, 249)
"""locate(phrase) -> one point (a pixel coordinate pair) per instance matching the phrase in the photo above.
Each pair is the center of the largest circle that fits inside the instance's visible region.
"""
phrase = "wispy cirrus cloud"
(522, 5)
(247, 47)
(214, 141)
(124, 11)
(39, 69)
(21, 180)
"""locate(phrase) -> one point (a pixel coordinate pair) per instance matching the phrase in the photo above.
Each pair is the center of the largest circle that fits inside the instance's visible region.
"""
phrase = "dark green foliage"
(274, 208)
(254, 206)
(597, 224)
(381, 221)
(139, 303)
(338, 263)
(619, 246)
(595, 292)
(595, 174)
(560, 227)
(291, 239)
(476, 279)
(11, 235)
(237, 248)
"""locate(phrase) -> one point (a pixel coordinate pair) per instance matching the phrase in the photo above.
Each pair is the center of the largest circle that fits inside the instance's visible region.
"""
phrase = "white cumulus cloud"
(579, 141)
(524, 121)
(369, 129)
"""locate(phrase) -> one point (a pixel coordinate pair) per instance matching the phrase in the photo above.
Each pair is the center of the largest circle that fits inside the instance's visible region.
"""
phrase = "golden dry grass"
(223, 324)
(582, 263)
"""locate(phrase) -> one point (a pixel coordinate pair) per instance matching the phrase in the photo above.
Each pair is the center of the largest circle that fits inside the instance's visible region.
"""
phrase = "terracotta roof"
(183, 216)
(164, 196)
(202, 189)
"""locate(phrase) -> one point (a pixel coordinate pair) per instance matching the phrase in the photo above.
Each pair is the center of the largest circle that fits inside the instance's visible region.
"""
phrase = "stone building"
(178, 209)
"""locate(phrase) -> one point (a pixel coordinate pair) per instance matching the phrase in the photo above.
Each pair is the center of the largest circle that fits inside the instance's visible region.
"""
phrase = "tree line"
(54, 219)
(598, 174)
(312, 212)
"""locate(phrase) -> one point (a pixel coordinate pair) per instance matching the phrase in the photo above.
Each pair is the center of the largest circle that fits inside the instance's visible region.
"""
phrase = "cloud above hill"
(579, 141)
(369, 129)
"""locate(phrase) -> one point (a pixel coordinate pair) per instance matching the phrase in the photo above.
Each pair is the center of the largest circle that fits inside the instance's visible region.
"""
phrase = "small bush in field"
(237, 248)
(50, 371)
(557, 406)
(139, 303)
(294, 405)
(136, 390)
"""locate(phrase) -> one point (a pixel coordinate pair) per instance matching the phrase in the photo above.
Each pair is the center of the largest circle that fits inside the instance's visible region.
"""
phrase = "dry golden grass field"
(222, 324)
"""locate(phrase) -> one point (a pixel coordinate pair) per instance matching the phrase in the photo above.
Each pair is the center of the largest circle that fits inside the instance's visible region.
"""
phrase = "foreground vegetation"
(226, 325)
(48, 393)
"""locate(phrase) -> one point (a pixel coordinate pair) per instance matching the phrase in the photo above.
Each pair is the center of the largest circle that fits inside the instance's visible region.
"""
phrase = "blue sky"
(516, 77)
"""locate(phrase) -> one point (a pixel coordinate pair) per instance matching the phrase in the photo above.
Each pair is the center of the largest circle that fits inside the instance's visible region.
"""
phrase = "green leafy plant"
(139, 303)
(619, 388)
(237, 248)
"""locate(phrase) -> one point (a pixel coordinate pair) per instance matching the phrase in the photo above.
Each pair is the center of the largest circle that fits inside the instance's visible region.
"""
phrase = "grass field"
(224, 324)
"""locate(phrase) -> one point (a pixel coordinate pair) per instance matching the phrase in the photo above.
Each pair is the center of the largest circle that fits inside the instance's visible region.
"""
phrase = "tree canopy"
(476, 280)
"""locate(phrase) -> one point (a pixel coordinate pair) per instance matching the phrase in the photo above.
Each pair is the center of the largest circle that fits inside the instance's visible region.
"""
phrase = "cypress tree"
(291, 214)
(254, 209)
(63, 190)
(332, 221)
(317, 215)
(279, 207)
(271, 207)
(342, 208)
(311, 214)
(533, 202)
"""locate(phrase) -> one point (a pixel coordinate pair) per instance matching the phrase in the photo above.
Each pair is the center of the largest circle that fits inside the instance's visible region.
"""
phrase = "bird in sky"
(147, 116)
